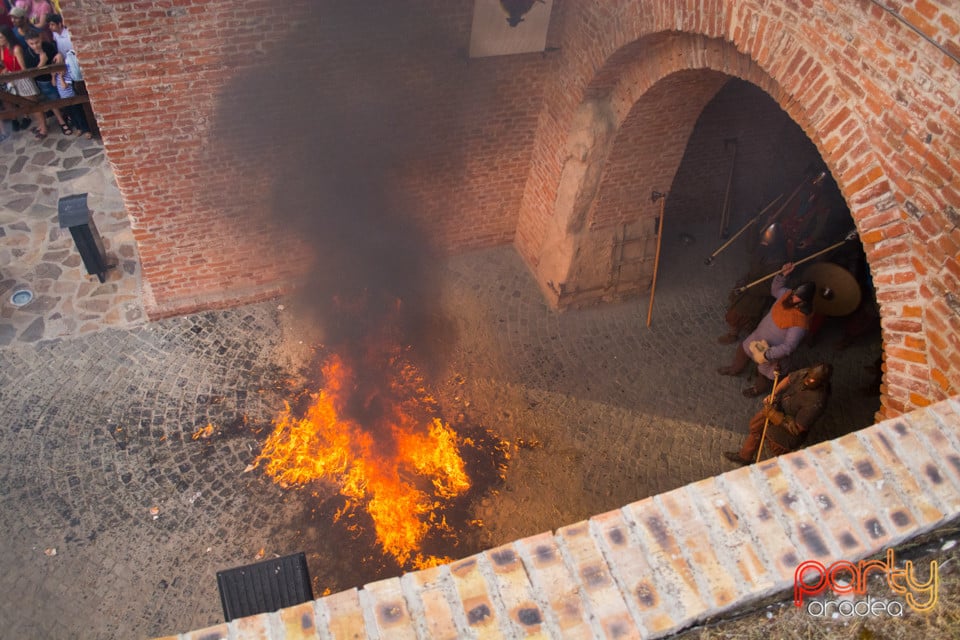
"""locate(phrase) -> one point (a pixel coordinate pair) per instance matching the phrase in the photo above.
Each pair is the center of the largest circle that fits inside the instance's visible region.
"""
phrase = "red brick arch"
(882, 112)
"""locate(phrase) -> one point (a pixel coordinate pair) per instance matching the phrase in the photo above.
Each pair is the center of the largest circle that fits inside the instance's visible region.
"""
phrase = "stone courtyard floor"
(115, 518)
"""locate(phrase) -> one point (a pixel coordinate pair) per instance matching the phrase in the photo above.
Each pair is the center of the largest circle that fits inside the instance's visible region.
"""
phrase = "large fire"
(401, 468)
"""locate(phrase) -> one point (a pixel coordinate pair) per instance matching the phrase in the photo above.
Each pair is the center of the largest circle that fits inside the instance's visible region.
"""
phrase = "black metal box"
(265, 586)
(73, 214)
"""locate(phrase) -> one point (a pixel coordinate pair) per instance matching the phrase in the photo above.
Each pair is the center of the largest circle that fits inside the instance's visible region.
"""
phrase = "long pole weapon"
(742, 229)
(850, 236)
(662, 197)
(766, 421)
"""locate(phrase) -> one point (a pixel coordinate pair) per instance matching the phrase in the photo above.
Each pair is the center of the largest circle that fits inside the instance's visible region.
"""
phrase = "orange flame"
(401, 477)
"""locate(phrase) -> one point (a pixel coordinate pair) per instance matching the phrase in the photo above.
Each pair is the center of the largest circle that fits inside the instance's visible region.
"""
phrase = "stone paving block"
(252, 627)
(944, 441)
(475, 597)
(794, 514)
(731, 533)
(766, 532)
(590, 568)
(907, 504)
(868, 480)
(384, 601)
(695, 539)
(673, 575)
(553, 580)
(652, 609)
(925, 469)
(344, 615)
(850, 538)
(855, 500)
(516, 593)
(427, 599)
(299, 622)
(218, 632)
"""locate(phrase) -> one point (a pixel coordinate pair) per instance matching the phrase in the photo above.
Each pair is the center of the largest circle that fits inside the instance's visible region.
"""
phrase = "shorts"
(23, 87)
(47, 91)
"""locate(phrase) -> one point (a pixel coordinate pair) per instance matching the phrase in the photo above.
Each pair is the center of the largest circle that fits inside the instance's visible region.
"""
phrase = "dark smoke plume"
(341, 106)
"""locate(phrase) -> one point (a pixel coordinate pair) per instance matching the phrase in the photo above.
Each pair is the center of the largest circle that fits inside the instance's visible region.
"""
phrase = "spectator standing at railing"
(87, 123)
(61, 35)
(21, 25)
(40, 53)
(73, 113)
(40, 13)
(11, 53)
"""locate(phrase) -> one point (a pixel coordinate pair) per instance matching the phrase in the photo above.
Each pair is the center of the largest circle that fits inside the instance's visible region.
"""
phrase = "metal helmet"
(770, 236)
(806, 292)
(818, 375)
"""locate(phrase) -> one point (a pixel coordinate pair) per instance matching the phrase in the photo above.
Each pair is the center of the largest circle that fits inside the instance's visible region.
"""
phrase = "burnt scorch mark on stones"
(865, 469)
(875, 529)
(787, 500)
(659, 531)
(763, 514)
(616, 536)
(844, 482)
(545, 554)
(306, 622)
(900, 428)
(900, 518)
(934, 474)
(955, 462)
(478, 614)
(790, 559)
(813, 541)
(594, 575)
(391, 612)
(645, 595)
(848, 541)
(529, 616)
(729, 516)
(463, 567)
(824, 501)
(886, 443)
(503, 558)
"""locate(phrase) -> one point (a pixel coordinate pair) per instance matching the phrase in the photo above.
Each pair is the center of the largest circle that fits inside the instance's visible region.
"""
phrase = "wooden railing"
(26, 105)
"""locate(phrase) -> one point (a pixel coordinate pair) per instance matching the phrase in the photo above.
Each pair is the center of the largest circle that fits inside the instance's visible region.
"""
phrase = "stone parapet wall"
(662, 564)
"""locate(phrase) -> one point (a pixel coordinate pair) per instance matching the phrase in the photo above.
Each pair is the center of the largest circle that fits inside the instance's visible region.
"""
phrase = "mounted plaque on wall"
(504, 27)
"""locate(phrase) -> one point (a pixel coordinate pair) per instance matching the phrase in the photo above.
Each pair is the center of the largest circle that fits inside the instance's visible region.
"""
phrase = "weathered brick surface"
(556, 585)
(476, 150)
(603, 598)
(383, 601)
(657, 565)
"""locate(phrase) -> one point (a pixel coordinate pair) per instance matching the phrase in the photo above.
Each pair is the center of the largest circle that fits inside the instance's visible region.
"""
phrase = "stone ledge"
(664, 563)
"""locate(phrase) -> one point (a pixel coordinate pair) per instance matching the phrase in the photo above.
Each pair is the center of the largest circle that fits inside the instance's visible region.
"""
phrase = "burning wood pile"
(383, 445)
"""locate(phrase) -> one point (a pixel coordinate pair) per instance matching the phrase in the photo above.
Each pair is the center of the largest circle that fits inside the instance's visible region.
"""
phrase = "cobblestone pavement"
(98, 459)
(39, 256)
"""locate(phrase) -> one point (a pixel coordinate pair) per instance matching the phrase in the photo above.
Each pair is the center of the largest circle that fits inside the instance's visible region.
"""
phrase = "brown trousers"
(750, 446)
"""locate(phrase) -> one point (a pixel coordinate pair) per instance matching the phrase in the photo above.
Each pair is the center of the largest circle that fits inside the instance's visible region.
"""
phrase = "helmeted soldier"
(747, 307)
(777, 335)
(798, 402)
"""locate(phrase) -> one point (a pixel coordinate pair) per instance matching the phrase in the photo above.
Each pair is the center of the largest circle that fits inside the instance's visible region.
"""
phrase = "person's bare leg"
(41, 125)
(64, 127)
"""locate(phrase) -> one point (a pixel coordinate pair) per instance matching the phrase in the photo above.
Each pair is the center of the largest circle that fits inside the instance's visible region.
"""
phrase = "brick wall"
(878, 102)
(250, 147)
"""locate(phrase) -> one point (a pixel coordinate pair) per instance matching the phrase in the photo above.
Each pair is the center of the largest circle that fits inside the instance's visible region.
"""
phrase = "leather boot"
(740, 362)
